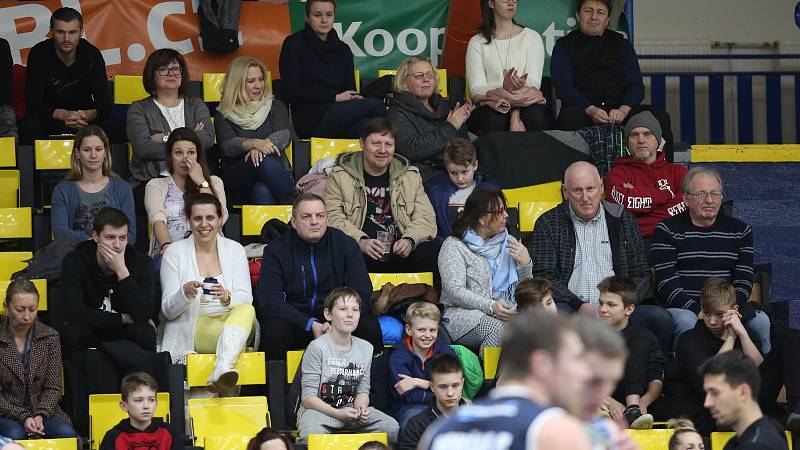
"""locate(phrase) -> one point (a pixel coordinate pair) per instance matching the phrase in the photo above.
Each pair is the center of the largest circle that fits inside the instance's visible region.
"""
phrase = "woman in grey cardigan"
(481, 265)
(165, 78)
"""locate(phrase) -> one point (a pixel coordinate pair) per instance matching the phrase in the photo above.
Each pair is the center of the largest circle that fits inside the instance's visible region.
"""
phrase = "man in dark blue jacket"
(297, 273)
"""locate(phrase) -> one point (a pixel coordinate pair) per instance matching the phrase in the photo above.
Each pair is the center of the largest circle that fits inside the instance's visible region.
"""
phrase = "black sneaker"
(636, 420)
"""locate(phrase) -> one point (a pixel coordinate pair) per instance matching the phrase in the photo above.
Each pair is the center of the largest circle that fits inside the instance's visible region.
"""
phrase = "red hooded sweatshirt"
(651, 192)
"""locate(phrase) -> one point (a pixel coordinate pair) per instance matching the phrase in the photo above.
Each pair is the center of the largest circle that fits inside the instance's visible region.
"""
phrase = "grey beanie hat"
(644, 119)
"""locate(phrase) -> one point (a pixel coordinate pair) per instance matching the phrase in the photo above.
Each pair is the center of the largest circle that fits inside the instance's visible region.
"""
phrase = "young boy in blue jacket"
(448, 197)
(408, 362)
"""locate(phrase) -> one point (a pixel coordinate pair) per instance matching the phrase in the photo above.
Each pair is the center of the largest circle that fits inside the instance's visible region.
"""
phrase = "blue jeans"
(54, 428)
(266, 184)
(686, 319)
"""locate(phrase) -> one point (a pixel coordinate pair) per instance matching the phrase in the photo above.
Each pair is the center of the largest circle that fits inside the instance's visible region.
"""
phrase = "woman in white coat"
(215, 318)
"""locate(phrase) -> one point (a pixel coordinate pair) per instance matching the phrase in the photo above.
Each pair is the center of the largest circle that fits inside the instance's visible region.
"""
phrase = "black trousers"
(32, 128)
(485, 119)
(279, 336)
(781, 367)
(572, 118)
(77, 336)
(424, 258)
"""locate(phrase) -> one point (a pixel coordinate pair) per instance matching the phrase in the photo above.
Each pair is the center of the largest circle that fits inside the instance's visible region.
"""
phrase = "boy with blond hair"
(448, 195)
(642, 382)
(336, 374)
(141, 429)
(408, 362)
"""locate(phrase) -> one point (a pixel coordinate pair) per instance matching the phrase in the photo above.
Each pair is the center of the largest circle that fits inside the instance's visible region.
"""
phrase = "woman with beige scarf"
(253, 131)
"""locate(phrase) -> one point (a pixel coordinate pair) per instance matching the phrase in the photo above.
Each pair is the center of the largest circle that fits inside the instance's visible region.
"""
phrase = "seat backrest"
(243, 416)
(293, 360)
(545, 192)
(9, 188)
(41, 286)
(15, 223)
(52, 154)
(11, 262)
(379, 279)
(442, 79)
(212, 85)
(128, 89)
(331, 148)
(343, 441)
(651, 439)
(251, 367)
(491, 358)
(255, 216)
(529, 212)
(104, 413)
(50, 444)
(227, 442)
(8, 152)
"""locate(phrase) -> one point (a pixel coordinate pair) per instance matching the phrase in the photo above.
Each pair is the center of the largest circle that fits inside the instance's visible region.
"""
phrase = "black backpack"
(219, 25)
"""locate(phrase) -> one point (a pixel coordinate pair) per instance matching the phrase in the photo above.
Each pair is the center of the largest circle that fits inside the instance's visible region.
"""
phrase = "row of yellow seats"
(657, 439)
(129, 88)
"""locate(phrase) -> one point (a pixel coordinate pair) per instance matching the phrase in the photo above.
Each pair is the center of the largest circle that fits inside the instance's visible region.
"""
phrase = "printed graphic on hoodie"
(340, 388)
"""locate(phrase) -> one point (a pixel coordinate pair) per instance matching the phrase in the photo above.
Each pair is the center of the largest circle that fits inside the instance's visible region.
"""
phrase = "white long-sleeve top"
(485, 63)
(179, 314)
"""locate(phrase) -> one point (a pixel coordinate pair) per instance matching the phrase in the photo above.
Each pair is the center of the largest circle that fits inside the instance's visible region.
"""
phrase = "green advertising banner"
(382, 33)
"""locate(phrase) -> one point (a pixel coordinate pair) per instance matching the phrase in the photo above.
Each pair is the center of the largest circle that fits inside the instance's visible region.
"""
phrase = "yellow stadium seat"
(357, 75)
(227, 442)
(255, 216)
(379, 279)
(656, 439)
(9, 188)
(50, 444)
(128, 89)
(11, 262)
(293, 360)
(467, 93)
(545, 192)
(251, 367)
(442, 79)
(529, 212)
(104, 413)
(343, 441)
(289, 150)
(212, 85)
(8, 152)
(53, 154)
(720, 438)
(41, 286)
(15, 223)
(491, 358)
(242, 416)
(331, 148)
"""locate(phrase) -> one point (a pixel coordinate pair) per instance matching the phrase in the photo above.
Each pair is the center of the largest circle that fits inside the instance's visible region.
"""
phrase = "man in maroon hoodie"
(645, 183)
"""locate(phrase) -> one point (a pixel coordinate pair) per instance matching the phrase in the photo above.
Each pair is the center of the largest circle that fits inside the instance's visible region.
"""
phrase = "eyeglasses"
(422, 75)
(496, 212)
(164, 71)
(715, 195)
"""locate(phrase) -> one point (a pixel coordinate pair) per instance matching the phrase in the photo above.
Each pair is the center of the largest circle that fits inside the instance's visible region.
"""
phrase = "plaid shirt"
(553, 250)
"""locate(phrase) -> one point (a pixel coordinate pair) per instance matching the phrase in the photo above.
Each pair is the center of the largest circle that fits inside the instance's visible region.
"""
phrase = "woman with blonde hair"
(254, 131)
(685, 436)
(424, 120)
(89, 186)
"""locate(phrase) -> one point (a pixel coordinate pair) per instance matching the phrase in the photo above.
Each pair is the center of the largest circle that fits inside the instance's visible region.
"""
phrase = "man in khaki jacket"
(377, 198)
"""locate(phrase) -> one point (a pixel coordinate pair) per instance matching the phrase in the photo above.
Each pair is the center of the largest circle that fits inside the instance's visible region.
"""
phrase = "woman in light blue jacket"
(90, 186)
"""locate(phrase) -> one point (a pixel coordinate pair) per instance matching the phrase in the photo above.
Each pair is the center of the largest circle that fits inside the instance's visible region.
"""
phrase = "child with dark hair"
(642, 382)
(447, 383)
(535, 293)
(141, 429)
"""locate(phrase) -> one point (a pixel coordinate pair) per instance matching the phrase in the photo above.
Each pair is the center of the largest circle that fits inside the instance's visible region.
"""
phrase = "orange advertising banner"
(126, 31)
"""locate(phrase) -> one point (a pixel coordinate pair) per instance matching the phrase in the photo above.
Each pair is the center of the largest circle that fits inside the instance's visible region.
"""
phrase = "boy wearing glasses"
(689, 248)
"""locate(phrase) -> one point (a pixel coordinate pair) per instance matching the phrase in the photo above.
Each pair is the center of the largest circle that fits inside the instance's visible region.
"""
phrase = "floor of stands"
(766, 196)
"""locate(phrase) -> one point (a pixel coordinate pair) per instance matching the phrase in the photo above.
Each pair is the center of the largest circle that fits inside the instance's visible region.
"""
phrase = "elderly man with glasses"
(690, 247)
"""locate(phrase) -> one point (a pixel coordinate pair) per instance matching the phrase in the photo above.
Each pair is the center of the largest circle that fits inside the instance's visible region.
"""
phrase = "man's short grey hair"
(599, 337)
(697, 170)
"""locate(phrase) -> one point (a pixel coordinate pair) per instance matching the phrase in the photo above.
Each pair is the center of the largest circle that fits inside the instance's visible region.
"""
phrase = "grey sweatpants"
(312, 421)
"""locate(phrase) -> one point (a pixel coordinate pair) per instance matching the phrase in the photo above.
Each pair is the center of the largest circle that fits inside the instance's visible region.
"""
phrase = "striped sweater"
(684, 256)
